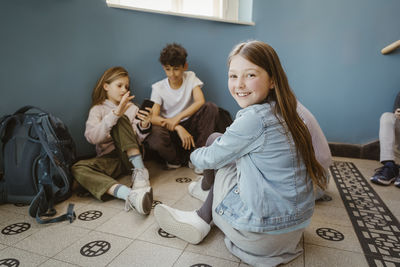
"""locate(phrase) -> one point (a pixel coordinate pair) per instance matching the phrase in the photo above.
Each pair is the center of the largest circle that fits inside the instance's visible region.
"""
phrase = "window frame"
(117, 4)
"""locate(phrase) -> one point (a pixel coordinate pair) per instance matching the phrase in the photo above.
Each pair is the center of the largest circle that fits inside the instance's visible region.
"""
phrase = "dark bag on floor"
(36, 155)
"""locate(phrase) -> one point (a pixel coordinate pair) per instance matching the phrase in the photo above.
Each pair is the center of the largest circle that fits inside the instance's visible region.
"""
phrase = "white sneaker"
(171, 166)
(186, 225)
(140, 178)
(140, 199)
(194, 168)
(196, 191)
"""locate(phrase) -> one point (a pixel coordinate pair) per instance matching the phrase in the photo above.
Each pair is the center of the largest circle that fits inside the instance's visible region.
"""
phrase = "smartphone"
(147, 103)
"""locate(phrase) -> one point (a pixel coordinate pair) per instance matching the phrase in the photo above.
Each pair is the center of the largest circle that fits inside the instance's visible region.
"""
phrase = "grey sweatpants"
(389, 128)
(256, 249)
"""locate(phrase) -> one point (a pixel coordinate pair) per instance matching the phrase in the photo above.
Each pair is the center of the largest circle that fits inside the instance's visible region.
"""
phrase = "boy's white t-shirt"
(174, 101)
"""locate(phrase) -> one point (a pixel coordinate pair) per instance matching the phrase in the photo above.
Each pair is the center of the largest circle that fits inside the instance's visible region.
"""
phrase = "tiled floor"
(105, 235)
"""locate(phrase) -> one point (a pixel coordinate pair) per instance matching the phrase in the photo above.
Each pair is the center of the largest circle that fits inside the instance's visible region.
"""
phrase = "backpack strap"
(50, 154)
(42, 204)
(70, 215)
(35, 205)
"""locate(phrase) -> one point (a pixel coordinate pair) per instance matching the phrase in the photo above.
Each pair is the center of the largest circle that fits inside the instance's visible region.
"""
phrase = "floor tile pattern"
(376, 227)
(103, 234)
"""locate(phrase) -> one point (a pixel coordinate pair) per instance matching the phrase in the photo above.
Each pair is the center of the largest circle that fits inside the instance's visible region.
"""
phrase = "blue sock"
(121, 191)
(137, 161)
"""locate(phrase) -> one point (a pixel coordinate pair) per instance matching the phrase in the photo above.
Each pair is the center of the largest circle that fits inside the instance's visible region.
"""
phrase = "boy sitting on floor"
(182, 120)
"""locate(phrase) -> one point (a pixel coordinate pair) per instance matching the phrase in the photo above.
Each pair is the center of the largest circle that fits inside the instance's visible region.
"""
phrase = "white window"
(220, 10)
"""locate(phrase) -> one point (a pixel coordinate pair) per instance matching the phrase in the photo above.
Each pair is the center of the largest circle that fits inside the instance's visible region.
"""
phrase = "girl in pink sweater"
(118, 136)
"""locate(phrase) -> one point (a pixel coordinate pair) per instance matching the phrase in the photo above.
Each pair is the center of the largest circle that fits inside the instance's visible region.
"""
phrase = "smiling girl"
(263, 194)
(118, 135)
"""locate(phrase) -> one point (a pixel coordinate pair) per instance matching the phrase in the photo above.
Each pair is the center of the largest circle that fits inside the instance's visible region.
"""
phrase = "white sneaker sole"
(179, 229)
(382, 181)
(170, 166)
(146, 197)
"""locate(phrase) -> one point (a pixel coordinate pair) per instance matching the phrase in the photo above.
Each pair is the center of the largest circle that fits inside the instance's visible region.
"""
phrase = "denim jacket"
(273, 190)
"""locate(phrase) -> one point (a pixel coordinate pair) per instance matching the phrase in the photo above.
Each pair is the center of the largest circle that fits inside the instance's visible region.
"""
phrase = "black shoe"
(386, 174)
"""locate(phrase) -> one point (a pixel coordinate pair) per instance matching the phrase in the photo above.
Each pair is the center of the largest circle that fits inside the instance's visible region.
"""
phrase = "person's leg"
(125, 139)
(205, 211)
(162, 141)
(208, 179)
(193, 226)
(259, 249)
(389, 171)
(199, 189)
(209, 175)
(139, 199)
(119, 191)
(387, 136)
(396, 137)
(203, 123)
(128, 147)
(96, 174)
(397, 145)
(186, 225)
(252, 248)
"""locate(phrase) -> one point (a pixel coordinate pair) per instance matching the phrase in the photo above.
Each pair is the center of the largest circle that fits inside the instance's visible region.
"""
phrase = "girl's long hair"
(264, 56)
(110, 75)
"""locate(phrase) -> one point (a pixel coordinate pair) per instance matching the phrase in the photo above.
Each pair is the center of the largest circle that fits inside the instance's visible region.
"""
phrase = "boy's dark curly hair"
(173, 55)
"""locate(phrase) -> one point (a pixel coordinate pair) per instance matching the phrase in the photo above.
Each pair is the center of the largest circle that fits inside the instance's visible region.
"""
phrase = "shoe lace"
(134, 174)
(128, 202)
(138, 173)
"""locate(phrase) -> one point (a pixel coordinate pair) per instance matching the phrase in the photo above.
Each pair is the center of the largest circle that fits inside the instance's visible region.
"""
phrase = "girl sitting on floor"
(262, 198)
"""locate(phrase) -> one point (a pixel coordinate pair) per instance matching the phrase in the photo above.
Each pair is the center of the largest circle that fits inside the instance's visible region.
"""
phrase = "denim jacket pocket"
(238, 214)
(241, 217)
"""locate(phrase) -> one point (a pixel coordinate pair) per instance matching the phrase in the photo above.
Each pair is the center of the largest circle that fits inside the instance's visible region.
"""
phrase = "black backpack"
(37, 153)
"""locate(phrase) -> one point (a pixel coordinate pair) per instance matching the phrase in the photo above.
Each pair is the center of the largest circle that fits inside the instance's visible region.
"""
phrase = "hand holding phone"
(147, 103)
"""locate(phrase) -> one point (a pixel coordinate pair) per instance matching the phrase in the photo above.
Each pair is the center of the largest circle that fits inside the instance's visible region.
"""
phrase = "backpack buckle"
(71, 216)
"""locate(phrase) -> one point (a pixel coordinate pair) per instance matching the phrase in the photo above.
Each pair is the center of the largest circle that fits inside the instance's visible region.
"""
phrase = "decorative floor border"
(378, 231)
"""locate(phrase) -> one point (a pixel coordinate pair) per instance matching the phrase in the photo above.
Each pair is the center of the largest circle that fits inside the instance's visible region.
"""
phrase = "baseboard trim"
(366, 151)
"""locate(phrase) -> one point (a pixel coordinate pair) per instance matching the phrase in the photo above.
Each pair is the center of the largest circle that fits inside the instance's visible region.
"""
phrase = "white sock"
(137, 161)
(121, 191)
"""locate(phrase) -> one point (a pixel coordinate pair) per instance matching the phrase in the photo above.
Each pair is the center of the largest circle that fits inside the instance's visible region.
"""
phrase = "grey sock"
(208, 179)
(205, 212)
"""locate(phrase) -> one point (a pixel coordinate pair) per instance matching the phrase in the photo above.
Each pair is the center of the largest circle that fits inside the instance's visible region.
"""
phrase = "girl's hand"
(124, 104)
(397, 113)
(186, 137)
(145, 116)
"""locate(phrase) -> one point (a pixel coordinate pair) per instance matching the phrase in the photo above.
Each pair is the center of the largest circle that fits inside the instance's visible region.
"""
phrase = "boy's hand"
(170, 123)
(397, 113)
(186, 137)
(145, 117)
(124, 104)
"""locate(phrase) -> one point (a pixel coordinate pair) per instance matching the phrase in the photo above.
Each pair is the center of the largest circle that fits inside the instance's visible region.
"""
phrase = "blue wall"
(53, 51)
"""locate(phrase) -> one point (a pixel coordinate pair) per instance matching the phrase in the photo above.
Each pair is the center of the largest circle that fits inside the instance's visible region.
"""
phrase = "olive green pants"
(98, 174)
